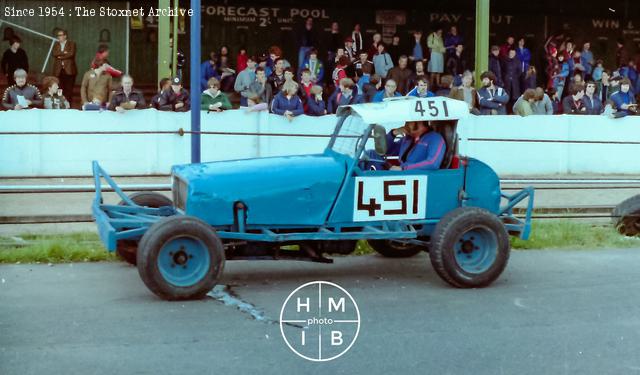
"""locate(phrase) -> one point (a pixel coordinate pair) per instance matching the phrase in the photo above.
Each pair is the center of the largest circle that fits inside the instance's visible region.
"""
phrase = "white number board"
(390, 198)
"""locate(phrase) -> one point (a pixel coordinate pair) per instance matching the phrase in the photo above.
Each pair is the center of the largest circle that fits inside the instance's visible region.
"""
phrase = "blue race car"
(305, 207)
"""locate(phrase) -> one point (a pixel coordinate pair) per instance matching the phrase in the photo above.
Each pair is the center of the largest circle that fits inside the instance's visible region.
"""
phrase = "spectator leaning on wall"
(244, 80)
(53, 97)
(213, 99)
(126, 97)
(287, 103)
(96, 88)
(177, 98)
(163, 85)
(22, 95)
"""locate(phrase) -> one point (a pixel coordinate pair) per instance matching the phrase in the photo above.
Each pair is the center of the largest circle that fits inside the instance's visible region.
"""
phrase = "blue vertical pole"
(195, 81)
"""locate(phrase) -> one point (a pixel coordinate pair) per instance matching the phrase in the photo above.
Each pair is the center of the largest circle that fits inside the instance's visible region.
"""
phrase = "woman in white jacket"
(382, 61)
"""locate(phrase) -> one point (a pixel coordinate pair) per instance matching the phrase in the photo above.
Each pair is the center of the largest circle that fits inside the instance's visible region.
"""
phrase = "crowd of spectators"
(355, 70)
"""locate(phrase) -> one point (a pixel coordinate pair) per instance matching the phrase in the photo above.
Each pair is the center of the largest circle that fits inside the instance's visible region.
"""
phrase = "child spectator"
(126, 97)
(339, 72)
(315, 104)
(53, 97)
(304, 90)
(213, 99)
(314, 66)
(163, 85)
(287, 103)
(597, 71)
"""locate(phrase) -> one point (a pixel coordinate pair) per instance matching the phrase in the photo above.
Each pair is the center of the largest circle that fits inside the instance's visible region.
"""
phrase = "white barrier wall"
(64, 155)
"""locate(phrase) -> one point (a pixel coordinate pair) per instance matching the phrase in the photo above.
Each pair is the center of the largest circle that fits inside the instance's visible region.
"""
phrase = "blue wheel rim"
(476, 250)
(184, 261)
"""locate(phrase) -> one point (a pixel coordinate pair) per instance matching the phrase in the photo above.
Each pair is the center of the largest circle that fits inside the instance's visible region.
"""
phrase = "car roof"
(408, 108)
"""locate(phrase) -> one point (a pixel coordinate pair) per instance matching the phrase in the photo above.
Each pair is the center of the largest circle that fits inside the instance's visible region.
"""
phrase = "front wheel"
(394, 249)
(180, 258)
(469, 247)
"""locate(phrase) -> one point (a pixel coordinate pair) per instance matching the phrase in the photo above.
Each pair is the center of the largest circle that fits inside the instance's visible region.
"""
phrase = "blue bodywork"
(306, 197)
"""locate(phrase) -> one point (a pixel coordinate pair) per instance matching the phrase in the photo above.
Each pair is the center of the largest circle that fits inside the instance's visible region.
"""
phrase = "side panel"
(482, 186)
(441, 194)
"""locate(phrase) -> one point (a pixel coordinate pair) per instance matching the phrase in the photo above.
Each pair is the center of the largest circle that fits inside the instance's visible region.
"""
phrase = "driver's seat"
(448, 131)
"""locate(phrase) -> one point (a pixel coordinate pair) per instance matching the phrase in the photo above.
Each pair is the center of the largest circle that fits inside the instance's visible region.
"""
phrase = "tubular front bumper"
(514, 225)
(124, 221)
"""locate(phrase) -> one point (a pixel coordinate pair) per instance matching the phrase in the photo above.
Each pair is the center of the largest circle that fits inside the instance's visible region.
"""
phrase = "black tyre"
(393, 249)
(469, 247)
(180, 258)
(626, 216)
(127, 249)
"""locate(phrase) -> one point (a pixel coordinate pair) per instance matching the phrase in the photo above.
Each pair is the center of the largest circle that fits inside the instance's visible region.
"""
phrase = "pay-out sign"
(390, 198)
(319, 321)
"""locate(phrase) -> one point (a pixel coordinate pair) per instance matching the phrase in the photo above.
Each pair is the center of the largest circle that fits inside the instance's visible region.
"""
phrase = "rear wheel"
(626, 216)
(469, 247)
(180, 258)
(127, 249)
(394, 249)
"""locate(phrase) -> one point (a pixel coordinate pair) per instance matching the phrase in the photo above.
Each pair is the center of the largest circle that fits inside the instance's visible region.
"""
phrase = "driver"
(419, 148)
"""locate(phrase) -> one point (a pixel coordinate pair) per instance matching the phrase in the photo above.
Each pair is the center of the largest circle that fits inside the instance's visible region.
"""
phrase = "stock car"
(306, 207)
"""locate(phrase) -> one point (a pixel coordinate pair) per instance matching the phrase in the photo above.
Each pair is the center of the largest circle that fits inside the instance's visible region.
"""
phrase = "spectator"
(64, 63)
(261, 88)
(339, 73)
(314, 66)
(176, 99)
(597, 71)
(451, 40)
(345, 94)
(418, 47)
(288, 75)
(622, 57)
(572, 104)
(560, 74)
(524, 55)
(604, 87)
(456, 65)
(512, 74)
(14, 58)
(367, 70)
(275, 53)
(394, 49)
(445, 85)
(422, 89)
(287, 103)
(349, 50)
(373, 48)
(315, 104)
(255, 104)
(213, 99)
(508, 46)
(401, 75)
(418, 73)
(335, 42)
(587, 60)
(543, 104)
(623, 100)
(244, 80)
(436, 62)
(276, 79)
(466, 92)
(362, 62)
(101, 58)
(629, 71)
(495, 64)
(21, 95)
(304, 89)
(524, 104)
(126, 97)
(53, 97)
(371, 89)
(555, 101)
(241, 60)
(209, 69)
(356, 37)
(382, 61)
(226, 73)
(492, 99)
(163, 85)
(96, 88)
(530, 78)
(389, 91)
(307, 40)
(591, 101)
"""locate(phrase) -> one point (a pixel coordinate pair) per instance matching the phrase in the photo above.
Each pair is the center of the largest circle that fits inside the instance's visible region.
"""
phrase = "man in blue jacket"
(419, 148)
(624, 100)
(491, 98)
(422, 89)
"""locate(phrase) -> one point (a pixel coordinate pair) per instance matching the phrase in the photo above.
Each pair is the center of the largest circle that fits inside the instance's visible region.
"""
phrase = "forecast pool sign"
(320, 321)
